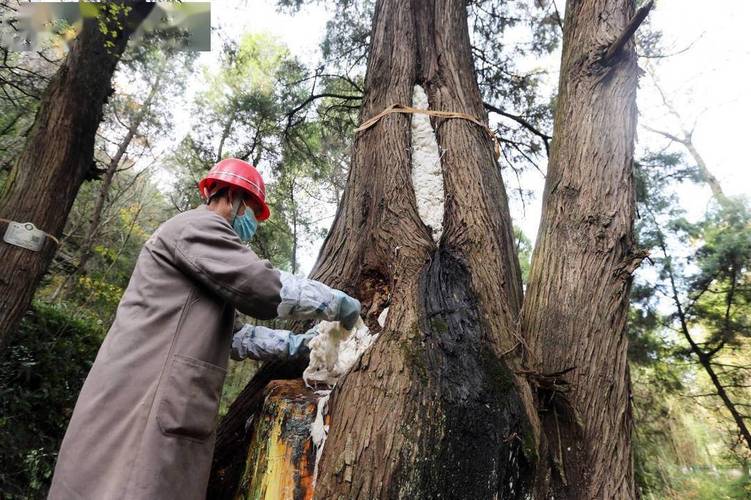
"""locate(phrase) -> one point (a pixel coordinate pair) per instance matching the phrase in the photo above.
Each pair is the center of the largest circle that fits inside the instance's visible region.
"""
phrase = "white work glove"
(303, 298)
(264, 344)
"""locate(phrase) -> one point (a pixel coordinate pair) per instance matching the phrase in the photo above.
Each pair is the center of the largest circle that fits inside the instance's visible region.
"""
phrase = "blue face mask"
(245, 225)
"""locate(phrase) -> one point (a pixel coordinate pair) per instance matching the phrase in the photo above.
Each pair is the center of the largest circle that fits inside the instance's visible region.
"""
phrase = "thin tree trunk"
(109, 175)
(707, 176)
(705, 358)
(722, 393)
(225, 134)
(58, 154)
(577, 299)
(294, 226)
(686, 141)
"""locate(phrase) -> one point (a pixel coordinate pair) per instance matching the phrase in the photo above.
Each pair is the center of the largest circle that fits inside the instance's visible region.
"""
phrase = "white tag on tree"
(24, 235)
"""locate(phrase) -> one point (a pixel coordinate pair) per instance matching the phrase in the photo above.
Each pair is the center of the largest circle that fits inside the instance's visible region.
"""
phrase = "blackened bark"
(432, 410)
(437, 407)
(58, 155)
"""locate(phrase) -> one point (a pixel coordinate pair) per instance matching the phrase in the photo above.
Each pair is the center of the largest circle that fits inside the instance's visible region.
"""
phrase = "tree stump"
(281, 456)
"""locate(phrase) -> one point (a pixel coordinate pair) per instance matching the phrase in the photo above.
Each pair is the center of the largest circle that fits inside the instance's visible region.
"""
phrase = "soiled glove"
(263, 344)
(298, 344)
(304, 298)
(348, 310)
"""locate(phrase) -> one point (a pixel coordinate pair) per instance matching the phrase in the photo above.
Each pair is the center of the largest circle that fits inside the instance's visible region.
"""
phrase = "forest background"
(281, 88)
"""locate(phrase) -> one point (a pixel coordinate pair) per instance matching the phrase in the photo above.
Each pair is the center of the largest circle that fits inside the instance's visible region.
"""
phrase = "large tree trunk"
(58, 154)
(446, 402)
(432, 409)
(577, 300)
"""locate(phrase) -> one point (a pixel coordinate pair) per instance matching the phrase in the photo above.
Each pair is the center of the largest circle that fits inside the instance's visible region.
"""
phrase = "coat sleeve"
(210, 252)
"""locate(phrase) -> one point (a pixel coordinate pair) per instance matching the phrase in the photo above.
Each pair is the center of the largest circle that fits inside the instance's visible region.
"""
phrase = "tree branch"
(628, 32)
(558, 18)
(313, 97)
(524, 123)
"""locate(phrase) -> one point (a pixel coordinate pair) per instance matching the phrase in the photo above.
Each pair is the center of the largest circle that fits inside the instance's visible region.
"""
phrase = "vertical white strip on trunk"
(318, 430)
(427, 178)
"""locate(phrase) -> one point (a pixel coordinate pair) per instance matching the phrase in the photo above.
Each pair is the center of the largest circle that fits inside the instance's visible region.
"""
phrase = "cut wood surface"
(236, 428)
(281, 456)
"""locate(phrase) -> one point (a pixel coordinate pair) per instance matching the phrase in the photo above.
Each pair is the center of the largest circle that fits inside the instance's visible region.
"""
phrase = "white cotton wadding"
(332, 353)
(334, 350)
(427, 178)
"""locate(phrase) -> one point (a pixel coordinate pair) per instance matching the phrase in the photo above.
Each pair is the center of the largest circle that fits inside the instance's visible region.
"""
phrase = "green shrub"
(41, 373)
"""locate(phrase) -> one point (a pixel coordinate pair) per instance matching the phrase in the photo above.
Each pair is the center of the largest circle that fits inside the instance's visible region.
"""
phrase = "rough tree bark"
(58, 154)
(432, 409)
(576, 303)
(451, 401)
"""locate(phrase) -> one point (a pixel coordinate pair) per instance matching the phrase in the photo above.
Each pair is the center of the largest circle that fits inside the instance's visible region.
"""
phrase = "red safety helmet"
(236, 173)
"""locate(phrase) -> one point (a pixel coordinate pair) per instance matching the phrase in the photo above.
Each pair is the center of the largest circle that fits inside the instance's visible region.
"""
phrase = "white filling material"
(332, 353)
(427, 179)
(334, 350)
(382, 317)
(319, 430)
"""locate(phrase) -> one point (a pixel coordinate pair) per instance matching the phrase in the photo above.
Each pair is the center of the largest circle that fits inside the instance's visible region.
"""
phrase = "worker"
(144, 424)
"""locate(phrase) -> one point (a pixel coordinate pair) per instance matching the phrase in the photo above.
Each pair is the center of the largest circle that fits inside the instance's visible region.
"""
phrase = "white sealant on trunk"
(427, 178)
(332, 353)
(382, 317)
(319, 430)
(334, 350)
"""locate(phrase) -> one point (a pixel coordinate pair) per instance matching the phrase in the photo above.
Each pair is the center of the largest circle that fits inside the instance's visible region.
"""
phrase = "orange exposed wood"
(281, 457)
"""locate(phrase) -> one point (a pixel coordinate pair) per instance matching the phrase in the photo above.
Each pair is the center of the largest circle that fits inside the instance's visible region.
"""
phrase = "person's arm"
(210, 252)
(304, 298)
(263, 344)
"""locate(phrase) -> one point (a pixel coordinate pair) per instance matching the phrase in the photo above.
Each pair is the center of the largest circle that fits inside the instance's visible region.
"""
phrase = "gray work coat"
(144, 423)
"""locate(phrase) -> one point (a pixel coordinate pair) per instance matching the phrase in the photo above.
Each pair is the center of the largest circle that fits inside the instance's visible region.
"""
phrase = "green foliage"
(695, 285)
(133, 214)
(678, 444)
(243, 114)
(524, 252)
(721, 284)
(239, 374)
(41, 373)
